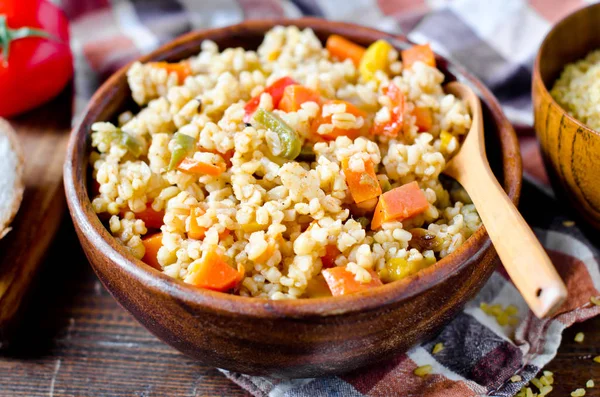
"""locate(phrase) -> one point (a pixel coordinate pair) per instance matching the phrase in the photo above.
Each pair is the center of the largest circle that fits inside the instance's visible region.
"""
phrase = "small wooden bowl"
(301, 338)
(570, 149)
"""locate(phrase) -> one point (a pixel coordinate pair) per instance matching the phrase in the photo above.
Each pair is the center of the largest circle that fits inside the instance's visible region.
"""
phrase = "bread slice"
(11, 176)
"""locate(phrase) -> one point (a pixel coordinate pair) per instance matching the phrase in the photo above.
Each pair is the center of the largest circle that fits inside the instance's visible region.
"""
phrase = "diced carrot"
(214, 273)
(182, 69)
(296, 95)
(363, 185)
(152, 244)
(351, 133)
(342, 49)
(152, 219)
(331, 254)
(192, 166)
(424, 118)
(394, 125)
(196, 232)
(342, 282)
(276, 92)
(317, 287)
(398, 204)
(416, 53)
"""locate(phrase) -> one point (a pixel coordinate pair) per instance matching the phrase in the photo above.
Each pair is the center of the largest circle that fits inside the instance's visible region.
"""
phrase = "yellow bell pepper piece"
(445, 137)
(376, 58)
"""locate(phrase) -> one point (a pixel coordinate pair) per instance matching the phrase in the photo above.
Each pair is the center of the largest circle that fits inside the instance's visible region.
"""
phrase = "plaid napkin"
(495, 39)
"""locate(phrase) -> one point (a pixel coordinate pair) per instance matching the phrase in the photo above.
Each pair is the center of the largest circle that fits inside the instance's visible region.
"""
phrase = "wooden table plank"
(43, 134)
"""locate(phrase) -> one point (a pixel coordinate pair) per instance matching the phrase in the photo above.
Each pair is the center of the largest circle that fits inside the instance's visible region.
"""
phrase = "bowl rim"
(91, 228)
(537, 75)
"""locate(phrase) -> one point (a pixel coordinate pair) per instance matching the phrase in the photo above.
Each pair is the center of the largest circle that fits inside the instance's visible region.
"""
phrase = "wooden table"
(74, 340)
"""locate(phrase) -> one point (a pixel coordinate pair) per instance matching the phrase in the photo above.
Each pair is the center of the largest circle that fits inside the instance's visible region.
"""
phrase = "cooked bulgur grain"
(211, 161)
(578, 89)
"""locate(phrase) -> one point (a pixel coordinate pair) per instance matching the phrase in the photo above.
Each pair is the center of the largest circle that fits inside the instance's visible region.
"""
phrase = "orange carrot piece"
(152, 244)
(399, 203)
(395, 124)
(424, 118)
(342, 49)
(296, 95)
(182, 69)
(276, 92)
(416, 53)
(196, 232)
(214, 273)
(342, 282)
(331, 253)
(152, 219)
(351, 133)
(191, 166)
(363, 185)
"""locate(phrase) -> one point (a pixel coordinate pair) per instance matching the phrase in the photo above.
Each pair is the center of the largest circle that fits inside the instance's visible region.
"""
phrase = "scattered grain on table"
(423, 370)
(578, 393)
(437, 348)
(589, 384)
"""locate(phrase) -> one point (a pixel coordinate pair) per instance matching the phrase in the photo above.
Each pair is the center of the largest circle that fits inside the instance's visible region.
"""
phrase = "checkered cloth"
(495, 39)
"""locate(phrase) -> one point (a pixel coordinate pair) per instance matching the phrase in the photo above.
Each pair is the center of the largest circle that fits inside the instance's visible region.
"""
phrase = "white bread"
(11, 176)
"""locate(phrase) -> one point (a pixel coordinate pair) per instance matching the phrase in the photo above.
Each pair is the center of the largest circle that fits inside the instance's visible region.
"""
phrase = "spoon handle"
(521, 253)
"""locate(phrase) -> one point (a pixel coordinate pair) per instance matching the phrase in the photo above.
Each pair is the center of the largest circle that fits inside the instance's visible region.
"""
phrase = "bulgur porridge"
(293, 171)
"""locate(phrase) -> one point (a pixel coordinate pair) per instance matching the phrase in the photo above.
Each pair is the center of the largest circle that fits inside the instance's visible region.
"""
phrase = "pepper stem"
(8, 35)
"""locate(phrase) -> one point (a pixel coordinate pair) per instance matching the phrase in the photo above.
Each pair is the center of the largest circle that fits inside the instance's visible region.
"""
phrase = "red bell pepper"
(275, 90)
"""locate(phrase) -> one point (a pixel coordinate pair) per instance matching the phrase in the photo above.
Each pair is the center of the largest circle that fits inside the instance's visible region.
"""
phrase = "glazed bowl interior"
(114, 98)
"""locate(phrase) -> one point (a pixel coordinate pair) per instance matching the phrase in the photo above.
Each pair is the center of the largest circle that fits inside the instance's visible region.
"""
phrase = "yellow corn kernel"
(376, 58)
(516, 378)
(597, 359)
(579, 337)
(589, 384)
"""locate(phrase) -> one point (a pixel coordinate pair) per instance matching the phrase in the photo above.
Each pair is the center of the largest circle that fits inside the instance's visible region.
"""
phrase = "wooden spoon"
(521, 253)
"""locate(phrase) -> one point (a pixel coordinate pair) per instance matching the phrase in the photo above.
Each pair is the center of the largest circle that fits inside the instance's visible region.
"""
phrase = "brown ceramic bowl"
(299, 338)
(571, 150)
